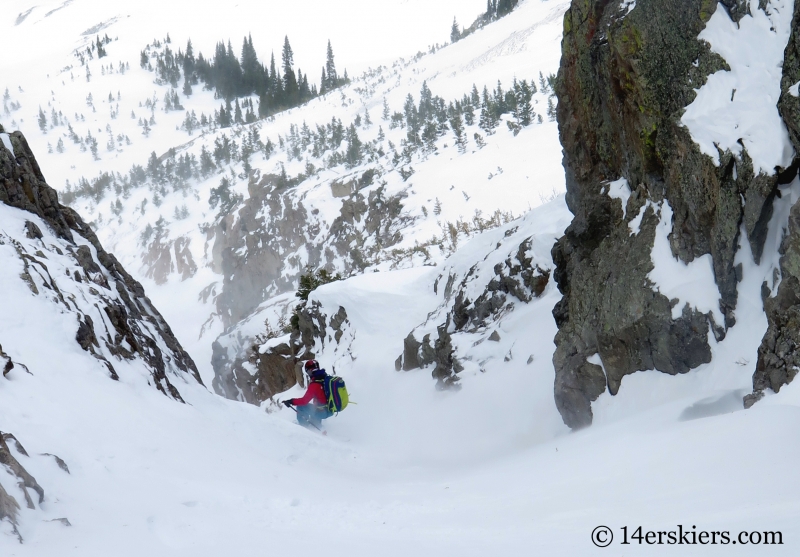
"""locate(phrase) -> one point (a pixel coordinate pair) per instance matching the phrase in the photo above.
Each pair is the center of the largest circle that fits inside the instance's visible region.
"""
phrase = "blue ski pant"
(311, 415)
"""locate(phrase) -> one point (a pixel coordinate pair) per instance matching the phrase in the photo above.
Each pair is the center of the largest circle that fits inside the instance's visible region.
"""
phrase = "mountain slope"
(293, 207)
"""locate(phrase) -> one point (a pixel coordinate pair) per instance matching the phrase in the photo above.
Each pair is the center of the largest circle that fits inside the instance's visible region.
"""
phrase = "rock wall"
(472, 302)
(624, 80)
(262, 249)
(779, 354)
(114, 318)
(259, 369)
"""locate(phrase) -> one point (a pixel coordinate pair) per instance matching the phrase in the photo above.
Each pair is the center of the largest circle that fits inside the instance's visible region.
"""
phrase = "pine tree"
(42, 120)
(237, 117)
(469, 114)
(250, 67)
(455, 34)
(100, 50)
(524, 110)
(551, 109)
(386, 113)
(290, 86)
(207, 165)
(412, 121)
(330, 69)
(487, 120)
(189, 62)
(426, 111)
(353, 152)
(457, 126)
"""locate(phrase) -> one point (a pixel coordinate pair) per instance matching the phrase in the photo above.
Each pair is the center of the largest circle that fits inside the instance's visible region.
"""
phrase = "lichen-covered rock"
(624, 81)
(779, 353)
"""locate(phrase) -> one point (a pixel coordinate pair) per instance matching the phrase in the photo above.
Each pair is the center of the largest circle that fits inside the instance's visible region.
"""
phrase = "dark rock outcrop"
(779, 353)
(9, 507)
(258, 372)
(125, 324)
(623, 83)
(517, 278)
(256, 250)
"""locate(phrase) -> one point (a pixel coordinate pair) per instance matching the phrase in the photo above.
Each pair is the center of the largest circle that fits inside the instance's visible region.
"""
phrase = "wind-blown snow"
(741, 104)
(691, 284)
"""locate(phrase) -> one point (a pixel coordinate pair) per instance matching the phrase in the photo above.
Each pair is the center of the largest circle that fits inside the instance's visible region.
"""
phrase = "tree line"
(278, 86)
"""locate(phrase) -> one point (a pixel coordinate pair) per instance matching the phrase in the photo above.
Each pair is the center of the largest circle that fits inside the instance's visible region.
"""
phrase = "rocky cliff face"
(779, 354)
(254, 370)
(625, 79)
(62, 259)
(263, 248)
(473, 303)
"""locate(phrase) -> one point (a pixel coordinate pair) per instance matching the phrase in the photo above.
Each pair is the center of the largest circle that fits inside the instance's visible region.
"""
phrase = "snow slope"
(406, 470)
(490, 469)
(523, 45)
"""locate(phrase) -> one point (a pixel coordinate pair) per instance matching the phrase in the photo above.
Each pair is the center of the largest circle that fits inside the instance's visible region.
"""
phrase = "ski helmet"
(311, 366)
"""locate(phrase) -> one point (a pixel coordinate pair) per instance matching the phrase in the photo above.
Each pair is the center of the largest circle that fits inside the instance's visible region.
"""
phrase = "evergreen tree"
(487, 121)
(224, 197)
(290, 86)
(251, 69)
(412, 121)
(238, 113)
(551, 109)
(426, 111)
(524, 112)
(330, 69)
(189, 62)
(455, 34)
(469, 114)
(457, 126)
(386, 113)
(275, 82)
(323, 82)
(504, 7)
(42, 120)
(475, 97)
(354, 145)
(263, 105)
(101, 52)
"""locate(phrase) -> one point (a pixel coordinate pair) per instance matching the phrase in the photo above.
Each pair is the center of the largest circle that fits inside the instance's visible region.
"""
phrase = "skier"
(313, 407)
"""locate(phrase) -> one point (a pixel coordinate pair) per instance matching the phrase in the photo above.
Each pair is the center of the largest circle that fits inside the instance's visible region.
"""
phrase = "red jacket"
(315, 393)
